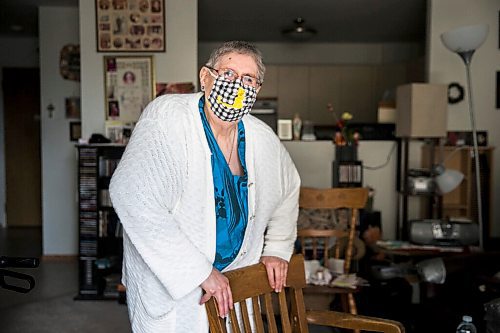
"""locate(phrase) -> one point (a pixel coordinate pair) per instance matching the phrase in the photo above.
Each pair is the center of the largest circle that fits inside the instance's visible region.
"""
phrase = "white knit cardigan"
(163, 193)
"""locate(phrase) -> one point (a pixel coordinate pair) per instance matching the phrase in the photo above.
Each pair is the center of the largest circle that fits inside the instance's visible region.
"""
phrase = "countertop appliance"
(453, 232)
(266, 109)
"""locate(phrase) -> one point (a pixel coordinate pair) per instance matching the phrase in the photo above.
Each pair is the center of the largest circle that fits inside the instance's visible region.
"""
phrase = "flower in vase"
(344, 136)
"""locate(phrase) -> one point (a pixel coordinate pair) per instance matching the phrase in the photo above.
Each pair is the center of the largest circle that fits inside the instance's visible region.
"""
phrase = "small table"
(400, 252)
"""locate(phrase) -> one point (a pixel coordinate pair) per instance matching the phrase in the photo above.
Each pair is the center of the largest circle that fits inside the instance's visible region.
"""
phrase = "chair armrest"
(346, 320)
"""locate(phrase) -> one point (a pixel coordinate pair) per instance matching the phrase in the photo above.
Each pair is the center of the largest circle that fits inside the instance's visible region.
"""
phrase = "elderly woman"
(203, 188)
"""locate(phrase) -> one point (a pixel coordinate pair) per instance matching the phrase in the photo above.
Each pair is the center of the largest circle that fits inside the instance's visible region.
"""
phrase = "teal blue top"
(231, 197)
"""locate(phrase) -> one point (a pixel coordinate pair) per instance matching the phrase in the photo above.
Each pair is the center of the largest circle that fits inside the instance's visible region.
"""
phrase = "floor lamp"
(465, 41)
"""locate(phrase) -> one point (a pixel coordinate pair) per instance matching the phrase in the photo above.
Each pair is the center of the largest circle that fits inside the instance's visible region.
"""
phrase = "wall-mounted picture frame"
(72, 106)
(69, 62)
(75, 130)
(129, 86)
(130, 26)
(498, 90)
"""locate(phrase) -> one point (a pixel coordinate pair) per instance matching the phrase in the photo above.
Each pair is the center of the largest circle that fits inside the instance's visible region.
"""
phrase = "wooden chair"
(352, 199)
(252, 283)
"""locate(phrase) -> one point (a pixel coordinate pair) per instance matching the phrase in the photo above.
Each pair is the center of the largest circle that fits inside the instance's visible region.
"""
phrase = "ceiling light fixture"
(300, 32)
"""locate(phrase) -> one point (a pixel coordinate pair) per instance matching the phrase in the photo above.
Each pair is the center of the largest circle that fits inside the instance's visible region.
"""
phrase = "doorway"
(21, 91)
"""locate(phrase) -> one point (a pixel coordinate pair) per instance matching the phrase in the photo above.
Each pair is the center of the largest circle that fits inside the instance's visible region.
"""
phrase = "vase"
(346, 153)
(297, 126)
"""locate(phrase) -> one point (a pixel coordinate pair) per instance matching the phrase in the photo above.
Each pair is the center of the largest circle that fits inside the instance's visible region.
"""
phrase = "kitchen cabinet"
(269, 88)
(324, 88)
(307, 89)
(293, 91)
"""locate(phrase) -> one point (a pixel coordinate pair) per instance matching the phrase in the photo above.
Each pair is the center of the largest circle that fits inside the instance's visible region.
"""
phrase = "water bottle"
(466, 326)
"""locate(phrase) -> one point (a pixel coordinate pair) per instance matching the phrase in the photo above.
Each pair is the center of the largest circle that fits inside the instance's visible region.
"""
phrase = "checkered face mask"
(231, 100)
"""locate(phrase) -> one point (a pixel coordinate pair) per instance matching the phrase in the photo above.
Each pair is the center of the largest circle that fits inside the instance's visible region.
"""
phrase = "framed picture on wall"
(75, 130)
(72, 105)
(498, 90)
(129, 86)
(130, 26)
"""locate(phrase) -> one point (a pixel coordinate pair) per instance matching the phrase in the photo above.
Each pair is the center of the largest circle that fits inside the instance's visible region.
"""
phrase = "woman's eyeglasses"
(230, 75)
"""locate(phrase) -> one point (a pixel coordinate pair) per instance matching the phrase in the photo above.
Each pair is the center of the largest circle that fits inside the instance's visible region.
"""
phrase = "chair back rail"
(315, 198)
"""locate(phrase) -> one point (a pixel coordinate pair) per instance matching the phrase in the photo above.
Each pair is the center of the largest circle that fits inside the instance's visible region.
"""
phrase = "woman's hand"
(277, 269)
(217, 285)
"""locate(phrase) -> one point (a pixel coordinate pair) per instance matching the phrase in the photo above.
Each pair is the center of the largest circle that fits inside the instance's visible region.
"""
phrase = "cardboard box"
(421, 110)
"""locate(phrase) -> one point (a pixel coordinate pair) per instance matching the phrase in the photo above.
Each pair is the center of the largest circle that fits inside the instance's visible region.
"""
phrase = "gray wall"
(59, 201)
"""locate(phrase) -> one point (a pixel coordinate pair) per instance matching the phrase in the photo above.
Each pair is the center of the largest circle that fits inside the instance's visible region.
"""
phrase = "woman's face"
(241, 64)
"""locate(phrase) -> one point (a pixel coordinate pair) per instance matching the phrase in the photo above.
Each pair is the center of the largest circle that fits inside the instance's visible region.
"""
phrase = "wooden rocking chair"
(351, 199)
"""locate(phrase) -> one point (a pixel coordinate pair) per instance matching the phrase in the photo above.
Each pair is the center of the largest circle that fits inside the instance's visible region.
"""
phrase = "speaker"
(438, 232)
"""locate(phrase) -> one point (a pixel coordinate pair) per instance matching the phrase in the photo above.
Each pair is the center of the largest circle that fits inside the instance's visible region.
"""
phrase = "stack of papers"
(350, 281)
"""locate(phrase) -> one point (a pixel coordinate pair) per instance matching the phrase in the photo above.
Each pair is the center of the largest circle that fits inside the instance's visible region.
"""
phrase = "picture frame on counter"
(117, 131)
(129, 86)
(130, 26)
(285, 129)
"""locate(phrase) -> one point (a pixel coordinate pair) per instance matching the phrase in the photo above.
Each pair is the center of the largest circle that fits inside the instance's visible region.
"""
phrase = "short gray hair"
(240, 47)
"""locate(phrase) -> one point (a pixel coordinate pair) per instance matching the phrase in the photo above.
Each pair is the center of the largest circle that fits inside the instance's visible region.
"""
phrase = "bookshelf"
(347, 174)
(347, 170)
(100, 232)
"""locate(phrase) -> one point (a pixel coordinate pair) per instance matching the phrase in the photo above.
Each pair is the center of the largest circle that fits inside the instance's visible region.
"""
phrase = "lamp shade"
(464, 39)
(432, 270)
(447, 179)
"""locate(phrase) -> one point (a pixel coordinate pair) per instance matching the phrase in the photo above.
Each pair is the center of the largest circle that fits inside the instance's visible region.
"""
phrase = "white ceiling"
(356, 21)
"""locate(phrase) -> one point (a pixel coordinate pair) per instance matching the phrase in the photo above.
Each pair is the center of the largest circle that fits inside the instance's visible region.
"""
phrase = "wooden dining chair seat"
(258, 315)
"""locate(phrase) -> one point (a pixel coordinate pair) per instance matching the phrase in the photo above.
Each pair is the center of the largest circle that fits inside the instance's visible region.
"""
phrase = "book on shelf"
(109, 225)
(105, 198)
